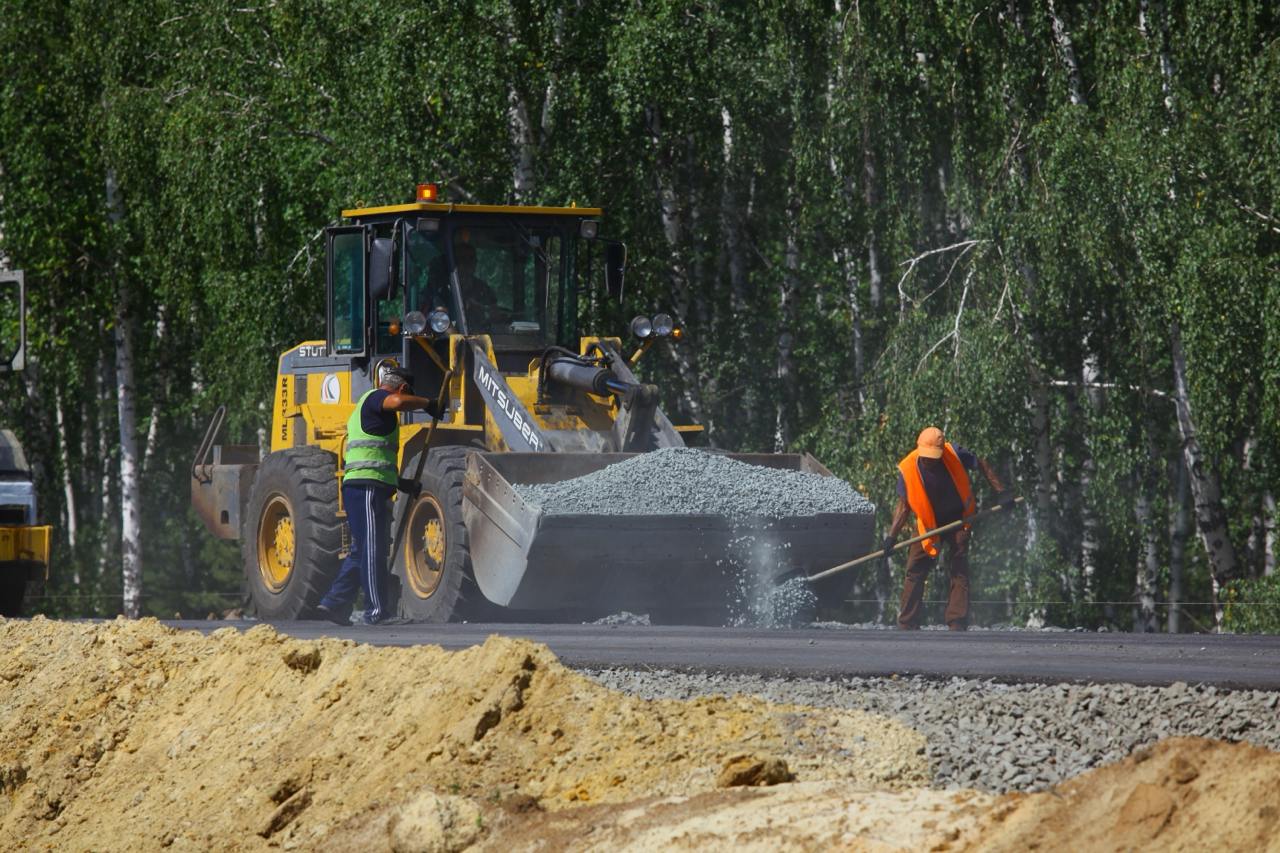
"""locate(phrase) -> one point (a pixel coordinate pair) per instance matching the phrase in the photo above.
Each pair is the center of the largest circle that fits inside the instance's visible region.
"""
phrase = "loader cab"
(516, 274)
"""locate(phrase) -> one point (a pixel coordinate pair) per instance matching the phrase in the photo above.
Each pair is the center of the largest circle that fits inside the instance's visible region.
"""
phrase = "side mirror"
(380, 254)
(13, 321)
(615, 268)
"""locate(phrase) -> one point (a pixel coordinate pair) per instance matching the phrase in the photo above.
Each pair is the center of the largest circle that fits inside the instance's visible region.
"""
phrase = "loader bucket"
(528, 560)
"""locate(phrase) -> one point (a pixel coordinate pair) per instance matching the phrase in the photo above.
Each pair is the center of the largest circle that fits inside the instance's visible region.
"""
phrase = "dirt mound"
(1181, 794)
(798, 817)
(132, 734)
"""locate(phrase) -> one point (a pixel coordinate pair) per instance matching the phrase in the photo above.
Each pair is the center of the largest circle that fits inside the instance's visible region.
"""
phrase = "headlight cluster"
(660, 326)
(417, 323)
(439, 321)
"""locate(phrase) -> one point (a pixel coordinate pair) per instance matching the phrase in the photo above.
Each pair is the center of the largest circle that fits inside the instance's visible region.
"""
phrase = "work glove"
(412, 488)
(440, 406)
(888, 548)
(1004, 499)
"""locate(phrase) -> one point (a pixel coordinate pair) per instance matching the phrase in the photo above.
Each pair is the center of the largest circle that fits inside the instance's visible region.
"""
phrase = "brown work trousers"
(920, 564)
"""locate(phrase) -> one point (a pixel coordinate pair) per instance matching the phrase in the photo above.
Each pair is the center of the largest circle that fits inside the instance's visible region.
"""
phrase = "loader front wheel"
(291, 532)
(432, 561)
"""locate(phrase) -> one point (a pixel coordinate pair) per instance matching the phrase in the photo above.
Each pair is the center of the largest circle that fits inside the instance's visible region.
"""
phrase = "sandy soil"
(132, 735)
(130, 730)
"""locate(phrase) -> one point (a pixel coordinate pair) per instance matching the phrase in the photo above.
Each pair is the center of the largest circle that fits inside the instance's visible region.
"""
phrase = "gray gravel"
(688, 481)
(1003, 737)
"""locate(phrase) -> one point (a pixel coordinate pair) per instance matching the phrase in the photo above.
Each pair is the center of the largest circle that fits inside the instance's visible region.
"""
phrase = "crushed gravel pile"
(1002, 737)
(131, 735)
(687, 481)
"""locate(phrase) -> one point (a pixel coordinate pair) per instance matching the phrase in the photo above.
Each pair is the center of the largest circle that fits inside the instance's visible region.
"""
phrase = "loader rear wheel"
(291, 532)
(433, 562)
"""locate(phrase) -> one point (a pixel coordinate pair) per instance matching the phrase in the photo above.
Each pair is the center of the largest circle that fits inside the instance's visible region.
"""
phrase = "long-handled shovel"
(417, 475)
(881, 552)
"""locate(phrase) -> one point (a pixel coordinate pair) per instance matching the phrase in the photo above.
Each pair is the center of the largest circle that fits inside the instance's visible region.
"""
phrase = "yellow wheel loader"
(483, 300)
(24, 544)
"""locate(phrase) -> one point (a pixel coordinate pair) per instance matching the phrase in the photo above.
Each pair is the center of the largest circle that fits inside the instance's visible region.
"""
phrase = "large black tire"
(291, 534)
(432, 565)
(13, 586)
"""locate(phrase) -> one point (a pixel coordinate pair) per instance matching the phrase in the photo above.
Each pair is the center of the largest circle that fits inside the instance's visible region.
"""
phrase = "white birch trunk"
(1206, 490)
(107, 412)
(1269, 540)
(130, 484)
(731, 221)
(1067, 53)
(68, 486)
(1043, 455)
(126, 408)
(787, 284)
(1166, 62)
(1255, 544)
(673, 232)
(1179, 531)
(526, 135)
(1090, 544)
(153, 422)
(1148, 563)
(849, 265)
(844, 259)
(870, 197)
(522, 179)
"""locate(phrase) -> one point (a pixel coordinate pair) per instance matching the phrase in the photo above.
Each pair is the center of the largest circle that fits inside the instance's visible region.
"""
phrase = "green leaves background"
(808, 150)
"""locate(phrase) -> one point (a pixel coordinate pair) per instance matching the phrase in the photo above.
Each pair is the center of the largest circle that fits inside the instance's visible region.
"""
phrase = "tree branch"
(911, 263)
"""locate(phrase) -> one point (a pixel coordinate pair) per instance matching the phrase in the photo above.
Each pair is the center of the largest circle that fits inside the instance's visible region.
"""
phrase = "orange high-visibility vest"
(918, 498)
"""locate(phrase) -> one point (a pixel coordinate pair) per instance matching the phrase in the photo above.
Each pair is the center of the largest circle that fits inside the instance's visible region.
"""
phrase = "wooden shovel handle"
(880, 552)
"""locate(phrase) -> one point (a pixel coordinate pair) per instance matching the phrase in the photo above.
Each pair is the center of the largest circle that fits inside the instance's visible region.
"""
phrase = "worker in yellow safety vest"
(933, 483)
(369, 480)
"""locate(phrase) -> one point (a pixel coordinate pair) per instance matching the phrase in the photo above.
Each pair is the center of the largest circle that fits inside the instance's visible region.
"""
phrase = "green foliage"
(897, 207)
(1253, 606)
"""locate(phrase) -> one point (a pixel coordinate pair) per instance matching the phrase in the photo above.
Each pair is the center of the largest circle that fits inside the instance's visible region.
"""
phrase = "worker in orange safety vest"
(933, 483)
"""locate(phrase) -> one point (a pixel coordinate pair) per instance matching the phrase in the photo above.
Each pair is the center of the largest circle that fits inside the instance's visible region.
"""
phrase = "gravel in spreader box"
(688, 481)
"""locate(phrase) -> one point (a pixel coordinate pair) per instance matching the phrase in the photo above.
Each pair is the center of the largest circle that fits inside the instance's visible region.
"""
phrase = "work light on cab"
(428, 193)
(415, 323)
(439, 321)
(641, 327)
(663, 324)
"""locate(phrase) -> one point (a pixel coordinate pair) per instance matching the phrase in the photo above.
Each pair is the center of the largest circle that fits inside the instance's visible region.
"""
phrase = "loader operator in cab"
(478, 298)
(369, 480)
(933, 484)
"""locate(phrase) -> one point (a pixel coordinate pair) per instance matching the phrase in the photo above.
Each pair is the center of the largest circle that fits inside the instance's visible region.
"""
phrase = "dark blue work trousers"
(368, 509)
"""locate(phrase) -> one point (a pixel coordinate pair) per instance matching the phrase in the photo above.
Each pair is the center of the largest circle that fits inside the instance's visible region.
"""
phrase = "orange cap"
(929, 443)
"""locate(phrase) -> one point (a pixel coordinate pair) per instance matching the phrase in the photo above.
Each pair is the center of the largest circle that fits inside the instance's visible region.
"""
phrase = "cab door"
(346, 286)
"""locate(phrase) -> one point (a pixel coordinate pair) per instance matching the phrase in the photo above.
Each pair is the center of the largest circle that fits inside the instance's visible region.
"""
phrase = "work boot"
(391, 620)
(333, 616)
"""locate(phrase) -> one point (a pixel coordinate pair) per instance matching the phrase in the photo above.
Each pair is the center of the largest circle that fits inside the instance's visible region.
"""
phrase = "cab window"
(511, 279)
(426, 273)
(347, 289)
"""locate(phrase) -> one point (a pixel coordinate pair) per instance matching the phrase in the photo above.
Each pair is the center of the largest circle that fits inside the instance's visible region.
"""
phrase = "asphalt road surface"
(1044, 657)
